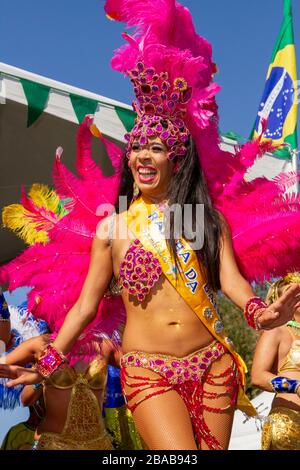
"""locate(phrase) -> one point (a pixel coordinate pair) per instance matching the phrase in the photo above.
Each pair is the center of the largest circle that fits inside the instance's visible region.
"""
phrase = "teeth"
(147, 172)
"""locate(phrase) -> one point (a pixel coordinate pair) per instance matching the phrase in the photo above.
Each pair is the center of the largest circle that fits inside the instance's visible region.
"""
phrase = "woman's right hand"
(281, 311)
(20, 375)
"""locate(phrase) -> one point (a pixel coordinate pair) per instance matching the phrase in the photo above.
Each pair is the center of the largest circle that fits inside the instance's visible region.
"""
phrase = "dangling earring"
(136, 190)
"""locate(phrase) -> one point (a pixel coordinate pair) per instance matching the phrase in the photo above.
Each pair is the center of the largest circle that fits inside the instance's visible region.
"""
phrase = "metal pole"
(295, 166)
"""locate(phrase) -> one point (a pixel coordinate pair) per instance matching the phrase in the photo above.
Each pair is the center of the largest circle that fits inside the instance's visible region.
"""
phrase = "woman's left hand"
(282, 310)
(19, 375)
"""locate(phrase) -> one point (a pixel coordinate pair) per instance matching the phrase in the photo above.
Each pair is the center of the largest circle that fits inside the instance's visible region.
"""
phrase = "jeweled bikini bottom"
(187, 376)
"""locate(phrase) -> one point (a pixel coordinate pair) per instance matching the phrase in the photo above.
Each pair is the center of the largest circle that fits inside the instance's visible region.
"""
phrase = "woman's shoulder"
(110, 228)
(275, 335)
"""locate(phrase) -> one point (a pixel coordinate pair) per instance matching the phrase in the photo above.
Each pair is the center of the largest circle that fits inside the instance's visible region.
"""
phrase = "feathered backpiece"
(56, 266)
(264, 220)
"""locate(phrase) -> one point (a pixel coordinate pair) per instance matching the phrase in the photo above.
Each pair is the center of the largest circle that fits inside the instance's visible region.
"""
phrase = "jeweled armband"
(253, 310)
(284, 385)
(50, 360)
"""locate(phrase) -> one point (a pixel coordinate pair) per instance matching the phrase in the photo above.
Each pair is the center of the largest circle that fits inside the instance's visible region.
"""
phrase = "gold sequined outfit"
(282, 429)
(84, 428)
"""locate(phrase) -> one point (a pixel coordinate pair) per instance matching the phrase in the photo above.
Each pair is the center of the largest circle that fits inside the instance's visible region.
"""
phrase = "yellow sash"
(145, 221)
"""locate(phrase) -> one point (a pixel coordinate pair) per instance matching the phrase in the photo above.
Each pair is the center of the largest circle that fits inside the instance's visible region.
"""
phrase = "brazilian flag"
(279, 101)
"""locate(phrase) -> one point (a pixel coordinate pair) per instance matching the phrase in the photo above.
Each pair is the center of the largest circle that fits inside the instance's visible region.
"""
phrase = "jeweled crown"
(160, 107)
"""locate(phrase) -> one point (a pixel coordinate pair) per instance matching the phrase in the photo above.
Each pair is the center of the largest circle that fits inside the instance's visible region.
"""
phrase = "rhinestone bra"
(139, 271)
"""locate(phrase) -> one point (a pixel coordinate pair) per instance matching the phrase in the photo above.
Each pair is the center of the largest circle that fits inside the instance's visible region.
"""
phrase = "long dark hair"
(188, 186)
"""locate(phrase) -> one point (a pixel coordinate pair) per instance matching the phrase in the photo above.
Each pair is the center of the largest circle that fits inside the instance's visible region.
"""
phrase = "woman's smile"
(146, 174)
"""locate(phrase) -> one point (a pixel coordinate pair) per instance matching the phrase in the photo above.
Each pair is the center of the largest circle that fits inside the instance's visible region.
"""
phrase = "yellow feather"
(42, 196)
(17, 219)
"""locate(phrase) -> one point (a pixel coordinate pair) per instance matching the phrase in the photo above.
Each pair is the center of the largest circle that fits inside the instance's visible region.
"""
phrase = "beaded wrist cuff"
(253, 310)
(50, 361)
(284, 385)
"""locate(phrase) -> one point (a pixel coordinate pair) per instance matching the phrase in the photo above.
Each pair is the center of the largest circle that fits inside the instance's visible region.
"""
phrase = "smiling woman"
(180, 373)
(150, 167)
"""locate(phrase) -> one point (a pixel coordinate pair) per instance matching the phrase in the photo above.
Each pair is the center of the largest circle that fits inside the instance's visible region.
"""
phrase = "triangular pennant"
(127, 117)
(37, 96)
(83, 106)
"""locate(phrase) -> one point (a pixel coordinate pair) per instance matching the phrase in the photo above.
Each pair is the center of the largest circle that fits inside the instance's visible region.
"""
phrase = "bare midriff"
(163, 322)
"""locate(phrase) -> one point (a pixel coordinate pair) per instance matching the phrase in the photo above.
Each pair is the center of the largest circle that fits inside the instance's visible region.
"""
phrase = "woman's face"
(151, 169)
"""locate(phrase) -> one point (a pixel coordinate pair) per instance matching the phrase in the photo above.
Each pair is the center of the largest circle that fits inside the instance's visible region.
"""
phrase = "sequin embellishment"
(139, 271)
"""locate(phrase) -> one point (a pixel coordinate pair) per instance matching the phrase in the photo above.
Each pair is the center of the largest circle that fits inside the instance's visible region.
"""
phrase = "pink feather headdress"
(171, 69)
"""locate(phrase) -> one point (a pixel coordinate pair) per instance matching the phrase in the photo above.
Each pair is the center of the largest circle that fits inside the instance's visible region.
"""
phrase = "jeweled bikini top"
(139, 270)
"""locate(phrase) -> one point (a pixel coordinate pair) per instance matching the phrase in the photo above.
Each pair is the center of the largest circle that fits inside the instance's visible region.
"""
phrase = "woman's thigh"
(219, 398)
(162, 419)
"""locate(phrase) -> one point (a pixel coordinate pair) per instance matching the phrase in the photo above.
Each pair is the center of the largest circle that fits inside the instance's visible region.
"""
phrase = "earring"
(136, 190)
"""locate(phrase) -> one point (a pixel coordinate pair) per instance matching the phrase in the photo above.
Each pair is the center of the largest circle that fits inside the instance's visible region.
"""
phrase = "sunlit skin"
(180, 330)
(272, 348)
(151, 158)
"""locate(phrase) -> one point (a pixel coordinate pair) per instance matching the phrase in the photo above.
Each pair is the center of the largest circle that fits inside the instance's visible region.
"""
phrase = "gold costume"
(282, 429)
(84, 428)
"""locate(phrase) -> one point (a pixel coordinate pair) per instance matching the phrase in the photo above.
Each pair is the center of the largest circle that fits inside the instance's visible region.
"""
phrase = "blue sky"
(72, 41)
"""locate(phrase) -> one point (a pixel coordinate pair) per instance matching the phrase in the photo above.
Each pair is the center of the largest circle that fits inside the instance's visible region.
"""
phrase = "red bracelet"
(50, 360)
(253, 311)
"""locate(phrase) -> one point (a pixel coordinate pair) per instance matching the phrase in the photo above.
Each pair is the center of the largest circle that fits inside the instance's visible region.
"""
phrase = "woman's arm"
(264, 358)
(95, 285)
(82, 313)
(30, 396)
(233, 284)
(5, 331)
(238, 289)
(26, 352)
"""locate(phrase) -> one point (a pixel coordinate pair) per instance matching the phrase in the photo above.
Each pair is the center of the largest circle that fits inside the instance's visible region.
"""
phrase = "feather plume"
(19, 220)
(46, 198)
(37, 214)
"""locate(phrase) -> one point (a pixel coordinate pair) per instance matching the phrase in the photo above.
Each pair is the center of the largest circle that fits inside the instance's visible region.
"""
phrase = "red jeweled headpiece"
(160, 107)
(171, 70)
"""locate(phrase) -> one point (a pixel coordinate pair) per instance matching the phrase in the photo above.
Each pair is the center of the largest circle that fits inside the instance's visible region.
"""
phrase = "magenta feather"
(56, 272)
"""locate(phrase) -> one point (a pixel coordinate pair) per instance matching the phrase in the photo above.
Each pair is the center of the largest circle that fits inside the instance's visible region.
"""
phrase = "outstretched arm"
(94, 288)
(238, 289)
(5, 331)
(264, 359)
(26, 352)
(29, 396)
(81, 314)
